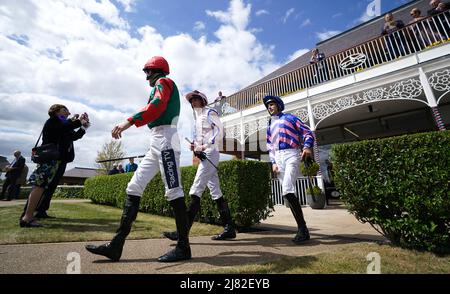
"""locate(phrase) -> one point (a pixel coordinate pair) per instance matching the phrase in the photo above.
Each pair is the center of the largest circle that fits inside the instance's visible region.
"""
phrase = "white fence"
(300, 190)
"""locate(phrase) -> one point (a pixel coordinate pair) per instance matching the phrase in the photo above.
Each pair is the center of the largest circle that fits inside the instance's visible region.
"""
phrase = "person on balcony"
(440, 25)
(437, 6)
(416, 15)
(394, 40)
(207, 133)
(321, 70)
(220, 97)
(418, 34)
(217, 102)
(289, 140)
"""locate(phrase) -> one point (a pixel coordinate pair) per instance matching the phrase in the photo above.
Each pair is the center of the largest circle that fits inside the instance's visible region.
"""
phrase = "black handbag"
(44, 153)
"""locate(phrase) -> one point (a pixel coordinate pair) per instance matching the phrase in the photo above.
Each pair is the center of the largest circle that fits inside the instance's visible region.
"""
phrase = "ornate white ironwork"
(373, 95)
(251, 128)
(302, 114)
(440, 81)
(255, 126)
(237, 132)
(233, 132)
(407, 89)
(263, 123)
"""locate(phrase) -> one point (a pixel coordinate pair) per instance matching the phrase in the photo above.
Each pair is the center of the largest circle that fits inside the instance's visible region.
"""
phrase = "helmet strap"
(154, 77)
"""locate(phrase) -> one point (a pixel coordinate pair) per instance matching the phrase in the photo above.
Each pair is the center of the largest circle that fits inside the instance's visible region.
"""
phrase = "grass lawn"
(86, 222)
(350, 259)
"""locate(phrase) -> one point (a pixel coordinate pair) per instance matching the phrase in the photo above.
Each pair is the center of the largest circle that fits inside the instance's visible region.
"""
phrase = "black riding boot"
(192, 211)
(225, 215)
(294, 204)
(113, 249)
(182, 251)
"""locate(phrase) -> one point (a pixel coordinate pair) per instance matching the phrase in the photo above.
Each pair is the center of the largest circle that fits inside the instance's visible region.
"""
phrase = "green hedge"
(399, 185)
(61, 192)
(24, 192)
(69, 192)
(245, 185)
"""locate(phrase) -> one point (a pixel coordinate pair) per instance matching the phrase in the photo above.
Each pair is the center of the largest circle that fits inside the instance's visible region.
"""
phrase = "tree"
(110, 150)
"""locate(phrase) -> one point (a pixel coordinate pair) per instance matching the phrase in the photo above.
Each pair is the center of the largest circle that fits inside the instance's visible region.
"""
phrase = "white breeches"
(164, 156)
(207, 176)
(288, 162)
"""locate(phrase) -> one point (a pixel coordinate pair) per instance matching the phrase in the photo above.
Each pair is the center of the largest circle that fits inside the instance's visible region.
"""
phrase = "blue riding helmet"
(275, 99)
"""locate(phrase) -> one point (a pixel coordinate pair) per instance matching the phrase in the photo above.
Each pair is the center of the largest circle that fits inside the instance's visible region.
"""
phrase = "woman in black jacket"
(67, 155)
(55, 130)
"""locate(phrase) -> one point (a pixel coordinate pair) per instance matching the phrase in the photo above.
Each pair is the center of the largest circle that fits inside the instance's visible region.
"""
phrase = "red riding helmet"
(197, 94)
(157, 62)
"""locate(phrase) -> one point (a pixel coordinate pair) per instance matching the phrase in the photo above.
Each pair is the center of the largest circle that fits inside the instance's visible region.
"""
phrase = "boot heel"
(30, 224)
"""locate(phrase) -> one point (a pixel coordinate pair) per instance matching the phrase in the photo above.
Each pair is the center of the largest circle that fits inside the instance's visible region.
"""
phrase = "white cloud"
(305, 23)
(326, 34)
(336, 15)
(128, 5)
(363, 18)
(238, 14)
(256, 30)
(104, 9)
(373, 10)
(82, 54)
(199, 26)
(261, 12)
(296, 54)
(287, 14)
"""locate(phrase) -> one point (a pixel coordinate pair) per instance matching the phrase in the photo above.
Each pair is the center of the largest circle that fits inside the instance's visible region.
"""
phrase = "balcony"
(412, 39)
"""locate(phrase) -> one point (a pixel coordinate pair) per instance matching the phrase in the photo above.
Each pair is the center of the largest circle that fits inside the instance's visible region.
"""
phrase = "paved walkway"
(330, 228)
(334, 221)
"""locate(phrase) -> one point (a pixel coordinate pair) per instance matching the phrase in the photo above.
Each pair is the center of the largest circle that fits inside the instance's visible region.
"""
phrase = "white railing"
(413, 38)
(300, 190)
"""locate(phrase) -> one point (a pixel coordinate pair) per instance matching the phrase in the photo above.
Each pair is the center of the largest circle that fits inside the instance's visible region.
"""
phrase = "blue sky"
(287, 25)
(88, 55)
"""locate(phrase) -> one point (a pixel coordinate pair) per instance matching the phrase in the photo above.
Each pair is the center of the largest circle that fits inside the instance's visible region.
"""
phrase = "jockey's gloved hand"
(308, 161)
(200, 155)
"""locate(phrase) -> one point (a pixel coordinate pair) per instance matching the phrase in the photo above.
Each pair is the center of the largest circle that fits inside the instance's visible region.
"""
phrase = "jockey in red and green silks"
(163, 105)
(160, 115)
